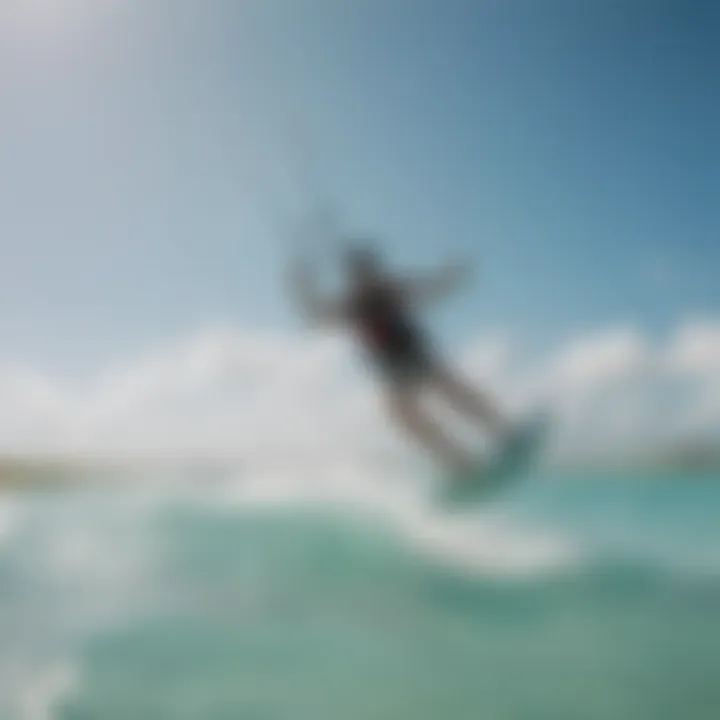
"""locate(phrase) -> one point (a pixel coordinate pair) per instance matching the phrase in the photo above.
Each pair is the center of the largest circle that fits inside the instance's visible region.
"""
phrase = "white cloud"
(695, 350)
(238, 392)
(592, 363)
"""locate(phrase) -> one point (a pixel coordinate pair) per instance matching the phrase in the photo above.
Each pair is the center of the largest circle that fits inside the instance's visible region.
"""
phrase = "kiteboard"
(511, 461)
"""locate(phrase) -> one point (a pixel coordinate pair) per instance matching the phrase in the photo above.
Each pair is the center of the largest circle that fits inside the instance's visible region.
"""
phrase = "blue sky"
(152, 153)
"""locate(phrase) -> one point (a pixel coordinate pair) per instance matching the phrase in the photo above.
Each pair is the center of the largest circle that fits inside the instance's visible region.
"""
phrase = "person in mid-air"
(380, 307)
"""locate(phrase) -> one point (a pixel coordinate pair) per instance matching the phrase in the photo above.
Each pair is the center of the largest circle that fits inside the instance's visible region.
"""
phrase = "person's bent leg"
(469, 401)
(404, 407)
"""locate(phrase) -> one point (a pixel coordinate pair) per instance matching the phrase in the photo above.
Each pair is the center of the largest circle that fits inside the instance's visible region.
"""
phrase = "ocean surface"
(340, 592)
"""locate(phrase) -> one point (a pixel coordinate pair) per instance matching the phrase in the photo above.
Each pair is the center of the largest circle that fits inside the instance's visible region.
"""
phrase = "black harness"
(383, 322)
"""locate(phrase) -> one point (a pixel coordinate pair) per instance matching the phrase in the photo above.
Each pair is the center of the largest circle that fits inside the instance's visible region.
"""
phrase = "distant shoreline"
(54, 472)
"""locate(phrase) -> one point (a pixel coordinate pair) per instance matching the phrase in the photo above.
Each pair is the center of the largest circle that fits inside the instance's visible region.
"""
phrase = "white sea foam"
(10, 519)
(43, 691)
(476, 541)
(79, 564)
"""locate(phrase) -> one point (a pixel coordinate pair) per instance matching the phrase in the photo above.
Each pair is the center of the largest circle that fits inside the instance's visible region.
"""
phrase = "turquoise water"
(575, 597)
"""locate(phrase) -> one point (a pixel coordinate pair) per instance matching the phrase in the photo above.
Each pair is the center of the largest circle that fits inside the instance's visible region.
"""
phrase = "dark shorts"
(406, 369)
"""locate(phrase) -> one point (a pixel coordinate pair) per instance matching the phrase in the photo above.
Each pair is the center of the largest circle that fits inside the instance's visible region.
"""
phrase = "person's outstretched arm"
(436, 285)
(303, 291)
